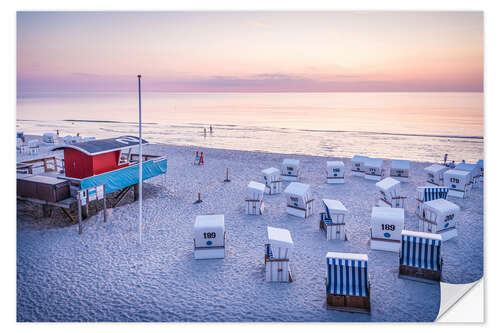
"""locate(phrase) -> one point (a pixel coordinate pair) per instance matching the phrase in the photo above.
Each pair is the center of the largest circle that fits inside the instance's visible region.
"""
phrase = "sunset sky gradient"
(250, 51)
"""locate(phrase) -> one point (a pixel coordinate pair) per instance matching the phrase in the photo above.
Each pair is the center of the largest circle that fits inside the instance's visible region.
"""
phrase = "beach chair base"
(391, 246)
(335, 180)
(448, 234)
(357, 173)
(419, 274)
(297, 212)
(373, 177)
(401, 179)
(289, 178)
(456, 194)
(209, 252)
(331, 232)
(348, 303)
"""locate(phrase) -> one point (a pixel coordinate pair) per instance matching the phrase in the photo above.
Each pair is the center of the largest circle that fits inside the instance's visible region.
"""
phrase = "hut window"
(125, 156)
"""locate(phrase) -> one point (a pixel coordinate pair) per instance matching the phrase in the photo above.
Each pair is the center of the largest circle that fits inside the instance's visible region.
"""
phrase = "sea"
(417, 126)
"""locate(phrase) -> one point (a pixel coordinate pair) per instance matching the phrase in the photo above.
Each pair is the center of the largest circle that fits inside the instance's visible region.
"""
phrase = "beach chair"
(332, 221)
(435, 173)
(425, 194)
(209, 237)
(420, 256)
(272, 178)
(49, 138)
(439, 217)
(255, 194)
(34, 147)
(277, 256)
(459, 183)
(480, 163)
(358, 165)
(390, 193)
(347, 282)
(373, 169)
(299, 200)
(335, 172)
(386, 226)
(475, 172)
(400, 170)
(290, 170)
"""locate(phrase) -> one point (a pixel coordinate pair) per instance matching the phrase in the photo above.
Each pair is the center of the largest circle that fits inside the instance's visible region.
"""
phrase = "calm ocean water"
(415, 126)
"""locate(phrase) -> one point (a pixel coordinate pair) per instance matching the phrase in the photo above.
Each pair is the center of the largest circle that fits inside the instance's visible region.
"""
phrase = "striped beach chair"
(420, 256)
(347, 282)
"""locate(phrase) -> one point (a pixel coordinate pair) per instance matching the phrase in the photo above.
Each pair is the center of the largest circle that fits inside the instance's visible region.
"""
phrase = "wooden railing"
(47, 164)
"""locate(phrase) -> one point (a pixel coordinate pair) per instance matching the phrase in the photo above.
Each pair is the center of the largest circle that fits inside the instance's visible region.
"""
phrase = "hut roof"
(97, 147)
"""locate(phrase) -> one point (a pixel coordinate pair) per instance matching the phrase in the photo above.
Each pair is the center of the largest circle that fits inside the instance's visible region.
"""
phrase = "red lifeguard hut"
(86, 159)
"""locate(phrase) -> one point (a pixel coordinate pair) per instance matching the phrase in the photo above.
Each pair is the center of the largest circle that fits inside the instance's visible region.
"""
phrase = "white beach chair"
(335, 172)
(459, 183)
(440, 218)
(333, 220)
(209, 237)
(299, 200)
(290, 169)
(277, 256)
(435, 174)
(255, 194)
(272, 178)
(358, 165)
(374, 169)
(390, 193)
(386, 226)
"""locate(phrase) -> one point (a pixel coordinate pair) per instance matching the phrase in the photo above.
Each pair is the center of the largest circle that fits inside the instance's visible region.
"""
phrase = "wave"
(397, 134)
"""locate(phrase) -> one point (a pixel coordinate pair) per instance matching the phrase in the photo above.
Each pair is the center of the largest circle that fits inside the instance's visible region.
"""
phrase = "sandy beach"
(104, 275)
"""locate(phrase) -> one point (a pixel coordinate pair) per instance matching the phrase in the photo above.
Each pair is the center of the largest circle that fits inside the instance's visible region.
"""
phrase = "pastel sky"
(250, 51)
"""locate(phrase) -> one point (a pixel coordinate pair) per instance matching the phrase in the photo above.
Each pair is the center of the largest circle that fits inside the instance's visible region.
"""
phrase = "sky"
(249, 51)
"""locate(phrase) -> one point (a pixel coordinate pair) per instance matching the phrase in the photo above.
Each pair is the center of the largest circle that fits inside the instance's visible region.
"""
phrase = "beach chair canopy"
(270, 172)
(335, 164)
(209, 230)
(299, 189)
(435, 168)
(474, 169)
(291, 162)
(359, 159)
(442, 207)
(333, 207)
(347, 274)
(255, 190)
(420, 249)
(388, 185)
(432, 193)
(374, 163)
(278, 237)
(400, 164)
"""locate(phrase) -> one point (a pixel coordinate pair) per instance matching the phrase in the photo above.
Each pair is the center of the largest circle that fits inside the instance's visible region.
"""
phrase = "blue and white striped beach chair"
(420, 256)
(425, 194)
(347, 282)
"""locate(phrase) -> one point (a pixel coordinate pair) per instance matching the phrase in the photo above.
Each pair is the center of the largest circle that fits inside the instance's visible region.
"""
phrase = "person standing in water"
(210, 129)
(204, 131)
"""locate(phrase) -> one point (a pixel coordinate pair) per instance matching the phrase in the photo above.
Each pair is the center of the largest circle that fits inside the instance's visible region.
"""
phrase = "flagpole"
(140, 162)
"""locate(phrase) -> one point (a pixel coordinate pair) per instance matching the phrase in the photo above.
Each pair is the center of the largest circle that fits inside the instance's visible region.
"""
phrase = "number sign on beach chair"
(277, 257)
(347, 282)
(290, 169)
(459, 183)
(333, 220)
(420, 256)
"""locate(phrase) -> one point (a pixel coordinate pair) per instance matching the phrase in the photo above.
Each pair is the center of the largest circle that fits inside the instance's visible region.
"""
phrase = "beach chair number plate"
(209, 235)
(454, 180)
(449, 217)
(389, 227)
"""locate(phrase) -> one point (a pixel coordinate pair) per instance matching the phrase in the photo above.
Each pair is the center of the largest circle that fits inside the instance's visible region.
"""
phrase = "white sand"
(103, 275)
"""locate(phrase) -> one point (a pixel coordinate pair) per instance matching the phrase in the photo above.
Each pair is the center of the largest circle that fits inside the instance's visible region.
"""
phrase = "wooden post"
(44, 165)
(104, 202)
(55, 164)
(79, 201)
(227, 180)
(46, 210)
(199, 198)
(136, 192)
(87, 203)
